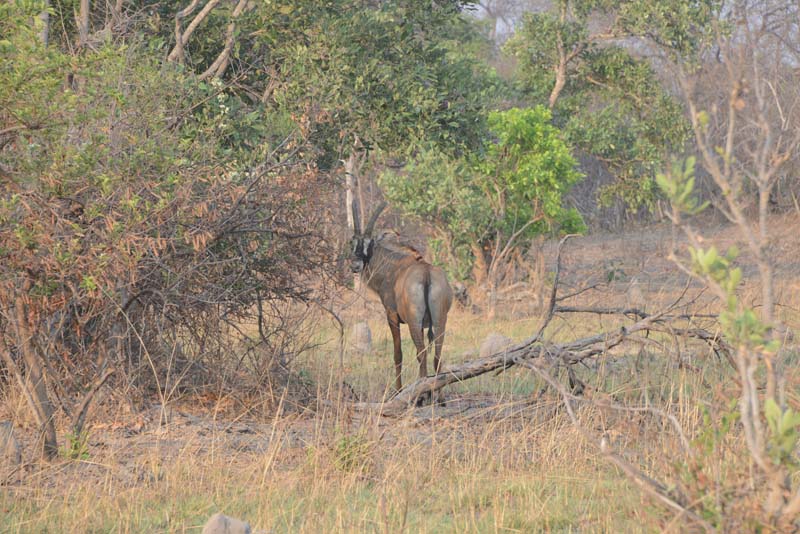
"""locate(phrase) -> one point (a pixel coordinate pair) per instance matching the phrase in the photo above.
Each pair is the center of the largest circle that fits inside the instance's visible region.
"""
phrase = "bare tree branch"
(220, 65)
(83, 408)
(654, 488)
(182, 38)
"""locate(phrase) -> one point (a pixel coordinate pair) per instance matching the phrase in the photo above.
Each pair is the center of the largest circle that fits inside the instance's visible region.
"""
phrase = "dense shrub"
(142, 213)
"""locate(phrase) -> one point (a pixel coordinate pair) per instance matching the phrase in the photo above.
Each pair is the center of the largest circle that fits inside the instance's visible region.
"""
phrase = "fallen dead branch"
(630, 312)
(568, 353)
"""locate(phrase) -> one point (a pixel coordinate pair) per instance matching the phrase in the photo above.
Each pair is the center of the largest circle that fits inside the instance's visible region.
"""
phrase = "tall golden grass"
(502, 456)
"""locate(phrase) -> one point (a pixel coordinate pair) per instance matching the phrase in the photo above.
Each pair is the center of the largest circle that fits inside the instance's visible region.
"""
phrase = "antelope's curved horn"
(356, 218)
(372, 220)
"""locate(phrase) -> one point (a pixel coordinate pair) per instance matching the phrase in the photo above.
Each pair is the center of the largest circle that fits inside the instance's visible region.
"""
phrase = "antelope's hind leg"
(433, 341)
(418, 336)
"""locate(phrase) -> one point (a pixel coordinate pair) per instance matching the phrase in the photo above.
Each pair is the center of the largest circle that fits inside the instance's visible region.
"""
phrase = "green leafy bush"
(514, 185)
(141, 210)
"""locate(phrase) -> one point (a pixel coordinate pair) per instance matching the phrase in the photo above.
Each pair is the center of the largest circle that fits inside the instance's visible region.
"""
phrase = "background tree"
(368, 78)
(487, 206)
(588, 61)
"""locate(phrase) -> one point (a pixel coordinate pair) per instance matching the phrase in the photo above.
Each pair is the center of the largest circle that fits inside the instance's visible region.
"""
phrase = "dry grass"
(502, 456)
(501, 477)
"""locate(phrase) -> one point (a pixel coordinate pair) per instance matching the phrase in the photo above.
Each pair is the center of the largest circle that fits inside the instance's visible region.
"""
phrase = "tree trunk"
(44, 17)
(182, 37)
(35, 383)
(220, 64)
(561, 67)
(564, 58)
(83, 23)
(113, 16)
(485, 278)
(764, 259)
(491, 305)
(539, 273)
(355, 215)
(561, 80)
(350, 187)
(480, 269)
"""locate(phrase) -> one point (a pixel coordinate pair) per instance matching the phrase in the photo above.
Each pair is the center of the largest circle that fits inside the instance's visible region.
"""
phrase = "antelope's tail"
(426, 285)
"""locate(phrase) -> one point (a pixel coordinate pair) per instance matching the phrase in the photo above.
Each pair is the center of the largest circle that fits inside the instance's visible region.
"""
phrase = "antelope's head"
(363, 243)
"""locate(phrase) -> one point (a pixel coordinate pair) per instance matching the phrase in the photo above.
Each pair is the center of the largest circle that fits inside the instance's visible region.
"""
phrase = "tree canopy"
(505, 193)
(590, 62)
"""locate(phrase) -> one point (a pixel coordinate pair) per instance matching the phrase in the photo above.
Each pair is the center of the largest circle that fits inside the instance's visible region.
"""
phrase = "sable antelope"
(411, 290)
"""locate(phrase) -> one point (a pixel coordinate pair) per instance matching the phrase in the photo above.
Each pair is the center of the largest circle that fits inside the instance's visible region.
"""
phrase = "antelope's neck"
(375, 274)
(382, 268)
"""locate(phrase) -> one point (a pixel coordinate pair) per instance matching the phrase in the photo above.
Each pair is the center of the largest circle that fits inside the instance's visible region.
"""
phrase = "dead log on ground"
(568, 353)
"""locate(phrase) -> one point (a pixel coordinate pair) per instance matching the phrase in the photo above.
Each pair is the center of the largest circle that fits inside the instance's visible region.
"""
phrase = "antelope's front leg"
(394, 326)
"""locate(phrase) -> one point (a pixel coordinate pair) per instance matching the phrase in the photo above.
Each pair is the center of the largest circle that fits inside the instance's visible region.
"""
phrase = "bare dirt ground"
(195, 456)
(641, 257)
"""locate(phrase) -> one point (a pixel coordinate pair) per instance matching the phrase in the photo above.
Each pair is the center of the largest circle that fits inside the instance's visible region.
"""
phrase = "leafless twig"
(651, 486)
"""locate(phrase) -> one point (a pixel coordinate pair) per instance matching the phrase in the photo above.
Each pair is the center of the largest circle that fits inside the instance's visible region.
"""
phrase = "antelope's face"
(361, 253)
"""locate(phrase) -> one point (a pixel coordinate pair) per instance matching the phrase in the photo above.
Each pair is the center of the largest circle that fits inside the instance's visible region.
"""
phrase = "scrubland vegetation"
(611, 187)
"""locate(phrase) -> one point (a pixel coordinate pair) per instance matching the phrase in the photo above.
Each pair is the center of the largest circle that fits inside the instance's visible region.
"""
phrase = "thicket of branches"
(144, 218)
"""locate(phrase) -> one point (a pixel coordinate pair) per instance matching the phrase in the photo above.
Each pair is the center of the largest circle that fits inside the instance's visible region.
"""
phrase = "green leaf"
(88, 283)
(773, 414)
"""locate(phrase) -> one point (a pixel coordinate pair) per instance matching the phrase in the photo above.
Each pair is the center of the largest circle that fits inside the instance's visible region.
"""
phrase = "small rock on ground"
(493, 344)
(361, 338)
(222, 524)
